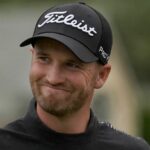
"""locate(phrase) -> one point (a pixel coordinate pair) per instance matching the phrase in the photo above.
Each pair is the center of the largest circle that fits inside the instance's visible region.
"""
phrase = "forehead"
(48, 45)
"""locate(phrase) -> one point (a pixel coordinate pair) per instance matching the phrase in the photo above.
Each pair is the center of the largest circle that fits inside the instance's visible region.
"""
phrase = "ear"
(32, 50)
(102, 75)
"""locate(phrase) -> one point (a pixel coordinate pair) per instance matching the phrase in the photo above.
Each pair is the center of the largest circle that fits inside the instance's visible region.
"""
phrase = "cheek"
(36, 72)
(81, 80)
(89, 77)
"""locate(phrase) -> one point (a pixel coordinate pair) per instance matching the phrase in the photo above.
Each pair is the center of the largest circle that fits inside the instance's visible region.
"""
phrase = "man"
(70, 50)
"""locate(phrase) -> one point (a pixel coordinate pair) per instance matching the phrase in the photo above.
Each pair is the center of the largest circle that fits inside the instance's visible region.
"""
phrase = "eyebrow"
(75, 60)
(40, 51)
(72, 59)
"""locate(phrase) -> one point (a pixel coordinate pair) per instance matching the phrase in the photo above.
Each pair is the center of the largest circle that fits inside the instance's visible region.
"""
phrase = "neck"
(73, 124)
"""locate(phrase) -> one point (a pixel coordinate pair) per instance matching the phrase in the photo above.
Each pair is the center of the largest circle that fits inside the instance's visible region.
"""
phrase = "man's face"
(61, 83)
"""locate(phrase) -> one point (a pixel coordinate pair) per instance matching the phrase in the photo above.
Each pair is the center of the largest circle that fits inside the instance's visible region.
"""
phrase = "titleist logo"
(58, 17)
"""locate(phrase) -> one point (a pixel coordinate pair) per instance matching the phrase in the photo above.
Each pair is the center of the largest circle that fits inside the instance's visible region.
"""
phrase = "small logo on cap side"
(103, 53)
(58, 17)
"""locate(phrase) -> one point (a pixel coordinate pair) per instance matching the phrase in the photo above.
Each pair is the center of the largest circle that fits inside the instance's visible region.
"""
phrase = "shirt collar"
(36, 128)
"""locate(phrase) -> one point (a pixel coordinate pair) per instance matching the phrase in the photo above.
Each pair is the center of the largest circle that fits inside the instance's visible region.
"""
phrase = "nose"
(55, 75)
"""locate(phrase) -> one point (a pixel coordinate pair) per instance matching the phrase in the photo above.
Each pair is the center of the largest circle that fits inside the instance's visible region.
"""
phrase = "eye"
(43, 59)
(73, 65)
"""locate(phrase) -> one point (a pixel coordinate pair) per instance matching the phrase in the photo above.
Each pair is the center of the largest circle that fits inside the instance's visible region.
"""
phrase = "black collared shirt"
(29, 133)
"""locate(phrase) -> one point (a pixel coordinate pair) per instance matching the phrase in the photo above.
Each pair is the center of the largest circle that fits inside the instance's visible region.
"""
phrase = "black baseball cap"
(80, 27)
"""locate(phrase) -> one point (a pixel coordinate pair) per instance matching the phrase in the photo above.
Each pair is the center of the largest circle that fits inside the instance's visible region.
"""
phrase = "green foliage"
(146, 124)
(132, 20)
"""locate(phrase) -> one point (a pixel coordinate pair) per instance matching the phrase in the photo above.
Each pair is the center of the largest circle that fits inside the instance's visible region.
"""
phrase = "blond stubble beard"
(62, 108)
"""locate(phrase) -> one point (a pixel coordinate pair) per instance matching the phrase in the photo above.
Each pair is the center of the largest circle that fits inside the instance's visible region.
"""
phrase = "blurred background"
(124, 100)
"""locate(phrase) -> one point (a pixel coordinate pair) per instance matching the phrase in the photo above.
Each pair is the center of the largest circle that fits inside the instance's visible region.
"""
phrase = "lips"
(57, 88)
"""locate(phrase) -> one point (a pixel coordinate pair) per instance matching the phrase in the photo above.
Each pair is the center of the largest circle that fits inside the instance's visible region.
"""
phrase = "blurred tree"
(132, 21)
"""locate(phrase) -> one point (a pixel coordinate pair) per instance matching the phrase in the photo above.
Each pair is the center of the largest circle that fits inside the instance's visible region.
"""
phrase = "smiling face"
(61, 83)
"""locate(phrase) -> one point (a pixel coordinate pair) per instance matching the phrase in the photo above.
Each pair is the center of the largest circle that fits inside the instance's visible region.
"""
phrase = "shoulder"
(16, 126)
(13, 130)
(14, 135)
(116, 138)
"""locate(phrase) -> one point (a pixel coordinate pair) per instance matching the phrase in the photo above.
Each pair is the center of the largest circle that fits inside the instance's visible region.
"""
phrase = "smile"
(55, 88)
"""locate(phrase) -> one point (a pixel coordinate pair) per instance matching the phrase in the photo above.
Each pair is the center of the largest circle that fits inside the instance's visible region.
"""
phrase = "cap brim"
(77, 48)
